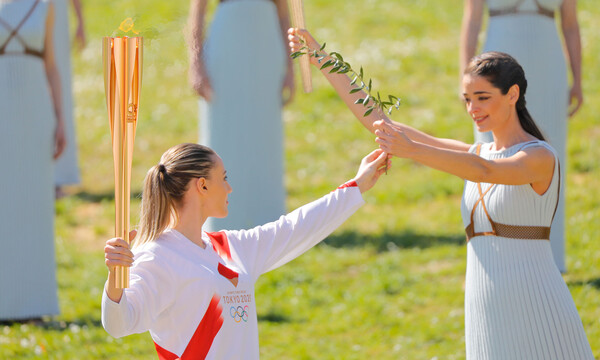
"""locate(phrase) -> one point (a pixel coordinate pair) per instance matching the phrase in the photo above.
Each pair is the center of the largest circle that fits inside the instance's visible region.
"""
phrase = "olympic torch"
(122, 61)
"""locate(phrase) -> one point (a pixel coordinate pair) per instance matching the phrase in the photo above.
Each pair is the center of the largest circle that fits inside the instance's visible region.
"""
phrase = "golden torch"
(122, 60)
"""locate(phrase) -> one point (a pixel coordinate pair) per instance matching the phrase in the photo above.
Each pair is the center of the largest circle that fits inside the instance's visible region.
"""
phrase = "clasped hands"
(392, 139)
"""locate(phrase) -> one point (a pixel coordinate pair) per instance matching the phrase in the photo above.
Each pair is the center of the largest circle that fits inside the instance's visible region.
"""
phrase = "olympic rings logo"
(238, 314)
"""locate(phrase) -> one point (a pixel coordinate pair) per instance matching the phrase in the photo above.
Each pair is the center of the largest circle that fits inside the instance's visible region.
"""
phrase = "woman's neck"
(510, 134)
(190, 225)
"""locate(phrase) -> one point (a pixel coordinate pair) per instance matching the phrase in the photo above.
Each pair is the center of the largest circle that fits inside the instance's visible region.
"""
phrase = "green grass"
(388, 283)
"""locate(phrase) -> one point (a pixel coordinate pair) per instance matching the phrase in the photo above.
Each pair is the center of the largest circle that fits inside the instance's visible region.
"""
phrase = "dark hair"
(503, 71)
(166, 183)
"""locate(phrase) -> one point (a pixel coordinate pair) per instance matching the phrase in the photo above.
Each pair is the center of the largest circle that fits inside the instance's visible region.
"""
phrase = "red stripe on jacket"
(220, 244)
(227, 272)
(203, 337)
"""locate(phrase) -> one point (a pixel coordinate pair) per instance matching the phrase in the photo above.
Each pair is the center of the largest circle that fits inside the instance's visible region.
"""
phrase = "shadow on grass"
(391, 241)
(56, 325)
(274, 318)
(100, 197)
(595, 283)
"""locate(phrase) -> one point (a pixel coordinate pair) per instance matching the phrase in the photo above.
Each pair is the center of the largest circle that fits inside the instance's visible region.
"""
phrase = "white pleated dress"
(246, 61)
(517, 305)
(66, 167)
(27, 123)
(532, 39)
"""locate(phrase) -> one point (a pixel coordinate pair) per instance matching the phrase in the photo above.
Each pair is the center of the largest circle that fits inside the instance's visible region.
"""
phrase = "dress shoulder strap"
(14, 33)
(505, 230)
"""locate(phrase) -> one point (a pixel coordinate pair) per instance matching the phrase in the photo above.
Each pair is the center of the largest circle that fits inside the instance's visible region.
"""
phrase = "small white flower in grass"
(38, 350)
(74, 328)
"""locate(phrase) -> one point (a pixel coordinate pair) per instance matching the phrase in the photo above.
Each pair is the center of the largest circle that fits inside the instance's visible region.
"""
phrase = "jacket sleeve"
(269, 246)
(149, 293)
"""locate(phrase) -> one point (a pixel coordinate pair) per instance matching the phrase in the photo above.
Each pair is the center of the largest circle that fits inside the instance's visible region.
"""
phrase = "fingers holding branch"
(371, 168)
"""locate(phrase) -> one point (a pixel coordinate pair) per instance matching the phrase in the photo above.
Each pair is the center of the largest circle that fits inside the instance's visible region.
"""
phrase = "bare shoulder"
(537, 156)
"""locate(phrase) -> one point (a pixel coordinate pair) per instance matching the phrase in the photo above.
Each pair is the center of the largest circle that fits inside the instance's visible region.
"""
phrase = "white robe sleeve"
(269, 246)
(149, 293)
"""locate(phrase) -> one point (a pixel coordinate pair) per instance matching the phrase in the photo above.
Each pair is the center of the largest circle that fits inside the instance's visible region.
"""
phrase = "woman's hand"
(392, 139)
(60, 140)
(199, 80)
(371, 168)
(575, 98)
(80, 39)
(116, 253)
(295, 36)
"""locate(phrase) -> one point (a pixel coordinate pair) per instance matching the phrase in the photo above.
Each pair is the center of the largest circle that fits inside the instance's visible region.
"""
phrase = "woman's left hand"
(59, 140)
(392, 139)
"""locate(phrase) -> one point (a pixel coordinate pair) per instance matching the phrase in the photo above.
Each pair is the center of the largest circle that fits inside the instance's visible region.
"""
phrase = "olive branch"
(339, 66)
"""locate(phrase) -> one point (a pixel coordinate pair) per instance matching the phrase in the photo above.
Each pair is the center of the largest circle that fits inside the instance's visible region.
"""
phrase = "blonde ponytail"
(164, 187)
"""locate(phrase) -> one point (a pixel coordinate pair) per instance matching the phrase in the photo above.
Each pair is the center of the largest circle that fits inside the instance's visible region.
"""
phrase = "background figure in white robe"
(526, 29)
(243, 74)
(32, 138)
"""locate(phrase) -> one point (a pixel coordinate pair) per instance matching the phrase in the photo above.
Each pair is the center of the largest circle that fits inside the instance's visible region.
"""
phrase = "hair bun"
(162, 168)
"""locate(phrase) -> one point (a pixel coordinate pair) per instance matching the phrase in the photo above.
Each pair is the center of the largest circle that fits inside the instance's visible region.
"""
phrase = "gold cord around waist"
(511, 11)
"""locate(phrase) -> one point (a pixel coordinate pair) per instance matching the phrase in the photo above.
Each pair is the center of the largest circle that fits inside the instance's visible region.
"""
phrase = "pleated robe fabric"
(27, 123)
(517, 305)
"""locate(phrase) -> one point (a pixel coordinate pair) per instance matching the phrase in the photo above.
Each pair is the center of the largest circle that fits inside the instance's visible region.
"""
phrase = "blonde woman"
(192, 290)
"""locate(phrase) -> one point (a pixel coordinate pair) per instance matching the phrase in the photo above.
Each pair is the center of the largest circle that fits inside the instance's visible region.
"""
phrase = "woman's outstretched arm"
(342, 85)
(532, 165)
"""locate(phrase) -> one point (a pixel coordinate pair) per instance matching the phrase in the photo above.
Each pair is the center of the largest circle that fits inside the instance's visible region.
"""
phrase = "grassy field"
(387, 284)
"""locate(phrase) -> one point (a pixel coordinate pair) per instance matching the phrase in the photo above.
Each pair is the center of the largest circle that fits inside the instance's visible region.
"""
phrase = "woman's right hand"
(117, 252)
(199, 80)
(296, 36)
(371, 168)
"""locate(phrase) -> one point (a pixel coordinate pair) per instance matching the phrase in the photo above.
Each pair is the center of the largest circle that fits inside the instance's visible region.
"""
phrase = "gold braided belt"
(512, 231)
(525, 232)
(540, 11)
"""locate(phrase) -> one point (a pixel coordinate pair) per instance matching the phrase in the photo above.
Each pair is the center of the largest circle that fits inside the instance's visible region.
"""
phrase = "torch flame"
(127, 26)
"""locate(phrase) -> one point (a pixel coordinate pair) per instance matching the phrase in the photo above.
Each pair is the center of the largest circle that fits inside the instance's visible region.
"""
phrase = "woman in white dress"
(517, 305)
(66, 170)
(244, 77)
(526, 30)
(33, 136)
(194, 291)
